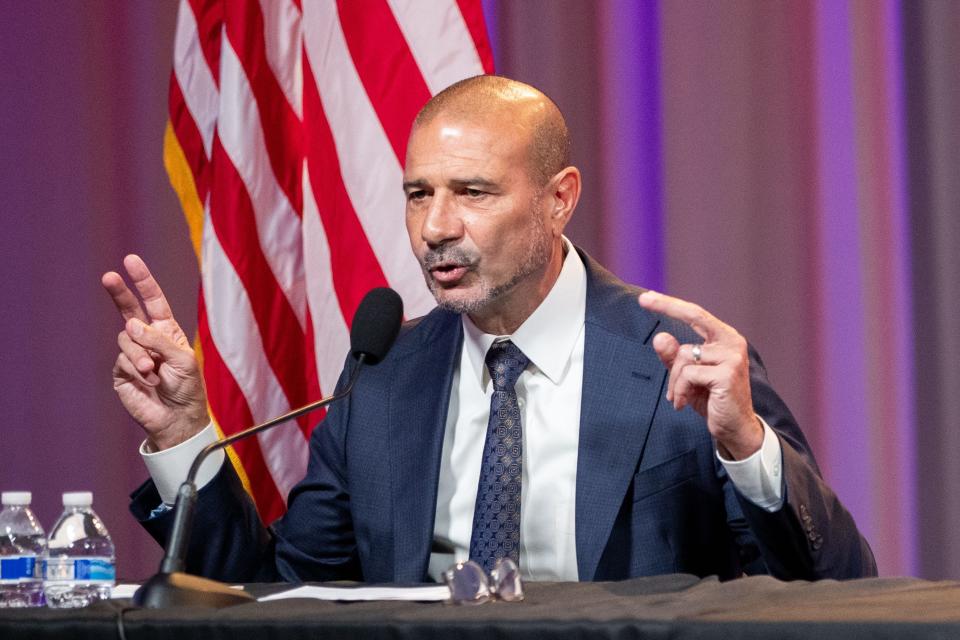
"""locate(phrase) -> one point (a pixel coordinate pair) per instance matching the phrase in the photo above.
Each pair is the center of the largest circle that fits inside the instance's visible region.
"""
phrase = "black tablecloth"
(675, 606)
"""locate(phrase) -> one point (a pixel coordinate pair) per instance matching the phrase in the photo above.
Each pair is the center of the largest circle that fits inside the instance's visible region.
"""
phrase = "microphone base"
(166, 590)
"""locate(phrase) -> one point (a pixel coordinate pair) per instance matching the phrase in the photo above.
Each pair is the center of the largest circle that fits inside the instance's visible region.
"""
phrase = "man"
(545, 411)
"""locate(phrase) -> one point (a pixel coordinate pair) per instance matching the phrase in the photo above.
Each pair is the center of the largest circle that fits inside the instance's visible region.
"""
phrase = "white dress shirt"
(548, 394)
(169, 467)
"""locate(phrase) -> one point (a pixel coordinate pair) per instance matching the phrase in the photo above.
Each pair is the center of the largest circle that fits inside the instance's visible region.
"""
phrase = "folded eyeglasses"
(469, 583)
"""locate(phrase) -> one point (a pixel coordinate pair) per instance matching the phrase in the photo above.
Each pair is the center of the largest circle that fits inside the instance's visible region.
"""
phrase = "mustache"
(447, 255)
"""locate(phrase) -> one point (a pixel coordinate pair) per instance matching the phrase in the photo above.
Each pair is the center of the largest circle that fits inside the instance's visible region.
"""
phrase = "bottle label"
(16, 569)
(79, 569)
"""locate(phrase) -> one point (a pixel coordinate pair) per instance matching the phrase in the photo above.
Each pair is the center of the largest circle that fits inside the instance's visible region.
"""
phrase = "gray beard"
(536, 258)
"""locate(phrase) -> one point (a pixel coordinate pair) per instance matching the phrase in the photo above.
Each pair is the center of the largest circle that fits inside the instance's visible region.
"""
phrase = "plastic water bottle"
(79, 567)
(22, 545)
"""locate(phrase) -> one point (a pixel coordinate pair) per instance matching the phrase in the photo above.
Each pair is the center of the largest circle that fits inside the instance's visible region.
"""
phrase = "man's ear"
(565, 193)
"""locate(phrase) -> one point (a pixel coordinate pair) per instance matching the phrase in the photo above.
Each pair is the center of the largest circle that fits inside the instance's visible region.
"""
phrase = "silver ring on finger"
(697, 353)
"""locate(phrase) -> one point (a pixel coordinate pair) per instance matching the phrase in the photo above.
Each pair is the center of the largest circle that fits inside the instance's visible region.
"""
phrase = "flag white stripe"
(278, 225)
(439, 41)
(370, 170)
(284, 39)
(329, 328)
(238, 341)
(194, 76)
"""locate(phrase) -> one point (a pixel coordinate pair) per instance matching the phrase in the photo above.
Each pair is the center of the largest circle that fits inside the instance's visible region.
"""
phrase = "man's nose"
(442, 223)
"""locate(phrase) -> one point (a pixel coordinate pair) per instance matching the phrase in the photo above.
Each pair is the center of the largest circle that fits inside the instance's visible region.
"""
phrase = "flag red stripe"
(233, 414)
(209, 17)
(353, 263)
(387, 69)
(232, 215)
(281, 126)
(189, 138)
(472, 12)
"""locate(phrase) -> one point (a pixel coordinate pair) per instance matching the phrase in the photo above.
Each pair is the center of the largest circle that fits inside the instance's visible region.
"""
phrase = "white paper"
(428, 593)
(123, 590)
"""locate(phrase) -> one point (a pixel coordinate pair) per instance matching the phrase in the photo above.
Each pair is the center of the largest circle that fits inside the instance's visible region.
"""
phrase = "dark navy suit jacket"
(651, 496)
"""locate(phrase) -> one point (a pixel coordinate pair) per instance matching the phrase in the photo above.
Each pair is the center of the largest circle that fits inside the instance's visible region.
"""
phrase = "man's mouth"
(448, 273)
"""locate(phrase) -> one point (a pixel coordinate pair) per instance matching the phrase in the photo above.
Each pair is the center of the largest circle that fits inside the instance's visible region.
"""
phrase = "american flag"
(287, 135)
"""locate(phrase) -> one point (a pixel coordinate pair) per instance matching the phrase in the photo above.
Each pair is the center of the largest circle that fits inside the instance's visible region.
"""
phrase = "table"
(674, 606)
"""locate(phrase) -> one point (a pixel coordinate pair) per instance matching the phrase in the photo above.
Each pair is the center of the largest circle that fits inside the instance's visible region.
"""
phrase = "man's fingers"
(666, 347)
(677, 357)
(124, 370)
(138, 356)
(154, 302)
(153, 299)
(690, 355)
(124, 299)
(153, 340)
(702, 353)
(693, 379)
(691, 314)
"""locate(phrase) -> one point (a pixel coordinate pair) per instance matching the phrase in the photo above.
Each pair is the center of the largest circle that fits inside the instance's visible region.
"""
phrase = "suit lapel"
(622, 382)
(416, 439)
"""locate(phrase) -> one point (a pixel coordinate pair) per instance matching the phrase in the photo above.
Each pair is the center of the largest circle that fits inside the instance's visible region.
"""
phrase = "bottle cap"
(77, 499)
(16, 498)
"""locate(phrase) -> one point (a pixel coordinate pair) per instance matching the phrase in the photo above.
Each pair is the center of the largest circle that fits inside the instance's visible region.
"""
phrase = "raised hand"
(713, 378)
(156, 374)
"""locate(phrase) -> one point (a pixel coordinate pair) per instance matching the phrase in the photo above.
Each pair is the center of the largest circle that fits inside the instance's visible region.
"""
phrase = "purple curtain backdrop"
(791, 166)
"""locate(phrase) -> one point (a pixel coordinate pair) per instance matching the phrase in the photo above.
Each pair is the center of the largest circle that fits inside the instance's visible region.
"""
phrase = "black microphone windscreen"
(376, 324)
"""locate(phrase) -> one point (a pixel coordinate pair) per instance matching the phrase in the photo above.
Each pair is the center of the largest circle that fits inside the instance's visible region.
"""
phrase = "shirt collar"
(549, 335)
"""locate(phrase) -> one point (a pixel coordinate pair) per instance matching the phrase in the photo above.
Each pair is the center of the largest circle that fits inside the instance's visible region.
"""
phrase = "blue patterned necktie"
(496, 516)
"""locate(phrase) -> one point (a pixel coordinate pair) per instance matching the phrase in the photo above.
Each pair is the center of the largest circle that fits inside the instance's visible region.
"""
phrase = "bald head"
(511, 102)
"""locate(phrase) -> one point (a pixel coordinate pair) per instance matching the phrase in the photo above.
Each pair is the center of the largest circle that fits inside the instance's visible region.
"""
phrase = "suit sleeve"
(812, 535)
(312, 541)
(227, 542)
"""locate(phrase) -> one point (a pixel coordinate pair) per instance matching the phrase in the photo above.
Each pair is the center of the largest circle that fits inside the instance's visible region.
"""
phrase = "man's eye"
(473, 193)
(416, 195)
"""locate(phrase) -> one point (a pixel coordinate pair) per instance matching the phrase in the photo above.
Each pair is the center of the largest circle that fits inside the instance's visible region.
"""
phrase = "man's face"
(474, 214)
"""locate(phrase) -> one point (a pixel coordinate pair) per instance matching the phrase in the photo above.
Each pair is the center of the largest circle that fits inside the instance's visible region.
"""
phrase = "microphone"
(375, 327)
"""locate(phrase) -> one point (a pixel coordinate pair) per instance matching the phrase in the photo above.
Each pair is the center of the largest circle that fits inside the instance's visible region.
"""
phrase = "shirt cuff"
(759, 478)
(169, 467)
